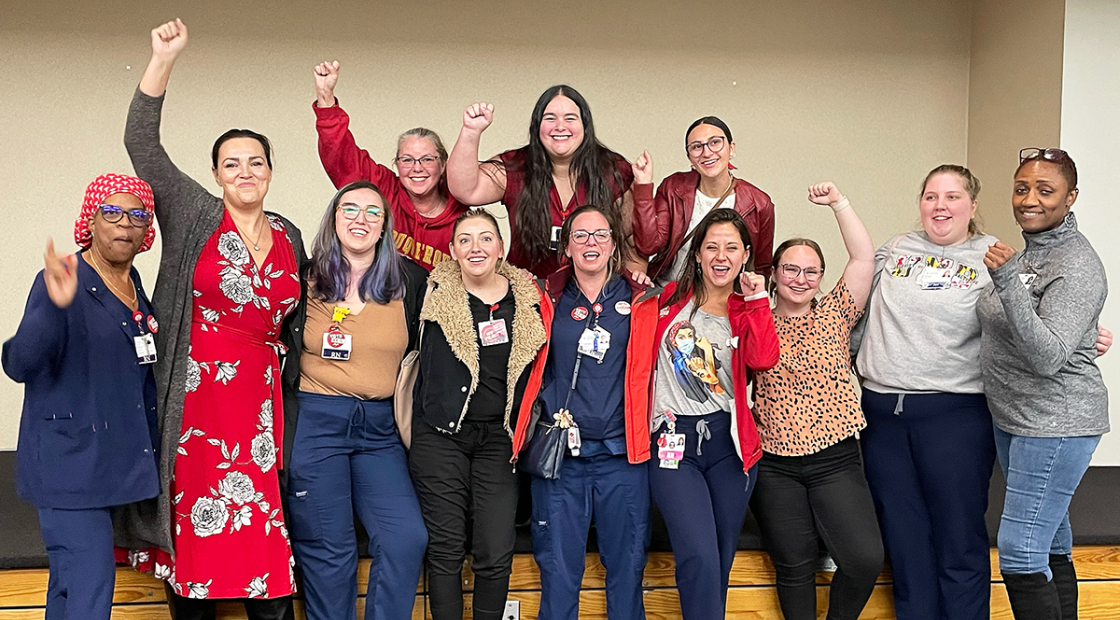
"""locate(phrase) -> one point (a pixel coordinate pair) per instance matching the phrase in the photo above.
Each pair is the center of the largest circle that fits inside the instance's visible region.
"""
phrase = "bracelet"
(840, 206)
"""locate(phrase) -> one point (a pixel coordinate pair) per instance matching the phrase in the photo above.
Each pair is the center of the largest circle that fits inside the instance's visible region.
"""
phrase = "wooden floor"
(751, 594)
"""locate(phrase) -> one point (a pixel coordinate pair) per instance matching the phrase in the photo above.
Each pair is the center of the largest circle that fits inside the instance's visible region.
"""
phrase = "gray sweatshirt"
(1038, 349)
(922, 332)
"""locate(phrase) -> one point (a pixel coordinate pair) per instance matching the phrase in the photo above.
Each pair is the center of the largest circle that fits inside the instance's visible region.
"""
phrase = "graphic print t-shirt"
(694, 365)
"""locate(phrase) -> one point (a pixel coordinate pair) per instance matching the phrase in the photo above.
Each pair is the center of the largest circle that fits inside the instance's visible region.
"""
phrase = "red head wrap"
(104, 186)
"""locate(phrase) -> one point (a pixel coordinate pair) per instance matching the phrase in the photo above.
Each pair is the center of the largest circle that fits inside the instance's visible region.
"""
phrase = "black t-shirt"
(488, 403)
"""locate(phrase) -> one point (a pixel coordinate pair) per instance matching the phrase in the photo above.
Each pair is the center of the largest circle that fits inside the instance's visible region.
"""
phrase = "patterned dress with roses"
(229, 533)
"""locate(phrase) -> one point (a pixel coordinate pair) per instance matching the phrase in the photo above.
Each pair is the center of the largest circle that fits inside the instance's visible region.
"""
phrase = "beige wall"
(869, 93)
(1014, 97)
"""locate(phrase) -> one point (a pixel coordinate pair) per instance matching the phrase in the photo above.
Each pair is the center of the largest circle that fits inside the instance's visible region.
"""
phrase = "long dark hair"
(614, 265)
(691, 280)
(592, 163)
(330, 271)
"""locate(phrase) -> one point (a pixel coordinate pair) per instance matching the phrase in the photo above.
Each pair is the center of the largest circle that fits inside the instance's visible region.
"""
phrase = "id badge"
(145, 345)
(337, 345)
(554, 241)
(670, 450)
(493, 332)
(595, 342)
(1027, 279)
(937, 275)
(574, 441)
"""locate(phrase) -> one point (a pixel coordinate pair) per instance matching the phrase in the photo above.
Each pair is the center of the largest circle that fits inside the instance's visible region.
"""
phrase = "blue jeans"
(349, 459)
(1042, 473)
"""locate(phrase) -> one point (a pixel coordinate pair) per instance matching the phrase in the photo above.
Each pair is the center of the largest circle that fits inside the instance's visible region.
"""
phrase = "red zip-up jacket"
(640, 352)
(425, 240)
(757, 350)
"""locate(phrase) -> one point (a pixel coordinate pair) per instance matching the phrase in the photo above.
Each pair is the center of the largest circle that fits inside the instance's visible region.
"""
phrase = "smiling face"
(1041, 197)
(722, 256)
(946, 209)
(118, 242)
(709, 163)
(800, 289)
(359, 236)
(592, 257)
(561, 128)
(477, 246)
(422, 174)
(243, 172)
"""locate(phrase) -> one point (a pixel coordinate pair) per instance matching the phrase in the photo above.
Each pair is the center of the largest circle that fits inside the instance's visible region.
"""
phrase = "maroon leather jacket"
(660, 222)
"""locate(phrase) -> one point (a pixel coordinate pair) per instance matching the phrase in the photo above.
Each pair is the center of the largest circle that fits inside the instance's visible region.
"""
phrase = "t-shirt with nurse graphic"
(694, 366)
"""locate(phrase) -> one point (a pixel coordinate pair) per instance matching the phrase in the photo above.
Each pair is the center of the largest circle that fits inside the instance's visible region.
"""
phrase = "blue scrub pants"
(704, 503)
(616, 494)
(82, 569)
(928, 460)
(347, 458)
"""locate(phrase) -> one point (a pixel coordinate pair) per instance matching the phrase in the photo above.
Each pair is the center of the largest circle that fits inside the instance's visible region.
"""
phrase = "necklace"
(118, 291)
(438, 209)
(244, 237)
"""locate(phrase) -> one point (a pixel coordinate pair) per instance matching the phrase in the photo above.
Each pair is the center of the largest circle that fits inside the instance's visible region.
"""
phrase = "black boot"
(445, 596)
(489, 602)
(1033, 597)
(183, 608)
(1065, 580)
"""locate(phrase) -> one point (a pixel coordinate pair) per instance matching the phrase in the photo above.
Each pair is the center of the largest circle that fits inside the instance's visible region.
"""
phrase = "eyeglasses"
(1034, 152)
(791, 271)
(136, 217)
(714, 144)
(425, 161)
(350, 211)
(581, 237)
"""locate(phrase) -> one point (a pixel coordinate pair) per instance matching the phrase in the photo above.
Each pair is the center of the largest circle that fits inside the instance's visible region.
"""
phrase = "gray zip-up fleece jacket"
(1038, 337)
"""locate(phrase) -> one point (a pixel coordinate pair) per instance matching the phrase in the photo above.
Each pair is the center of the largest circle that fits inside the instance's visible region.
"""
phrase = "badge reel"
(670, 445)
(145, 343)
(493, 332)
(337, 345)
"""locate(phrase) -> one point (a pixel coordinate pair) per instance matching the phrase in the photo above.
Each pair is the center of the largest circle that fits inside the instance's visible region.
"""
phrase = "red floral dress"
(229, 532)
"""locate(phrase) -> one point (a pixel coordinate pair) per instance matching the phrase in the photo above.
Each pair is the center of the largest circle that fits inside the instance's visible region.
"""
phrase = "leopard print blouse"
(807, 402)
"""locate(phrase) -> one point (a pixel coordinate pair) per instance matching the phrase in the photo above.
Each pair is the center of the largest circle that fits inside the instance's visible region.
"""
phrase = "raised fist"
(326, 78)
(643, 169)
(824, 194)
(478, 117)
(751, 283)
(169, 39)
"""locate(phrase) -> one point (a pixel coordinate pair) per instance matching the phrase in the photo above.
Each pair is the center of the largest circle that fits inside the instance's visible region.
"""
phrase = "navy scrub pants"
(704, 503)
(928, 460)
(347, 459)
(616, 494)
(82, 569)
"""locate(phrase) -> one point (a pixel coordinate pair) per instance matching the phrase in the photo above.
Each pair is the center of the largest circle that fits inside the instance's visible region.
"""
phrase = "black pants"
(464, 479)
(183, 608)
(798, 497)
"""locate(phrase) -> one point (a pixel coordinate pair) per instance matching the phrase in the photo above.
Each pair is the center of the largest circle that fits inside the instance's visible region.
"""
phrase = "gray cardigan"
(1039, 331)
(188, 215)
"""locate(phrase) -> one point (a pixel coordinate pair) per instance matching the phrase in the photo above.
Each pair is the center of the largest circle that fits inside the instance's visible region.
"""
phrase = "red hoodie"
(757, 350)
(424, 240)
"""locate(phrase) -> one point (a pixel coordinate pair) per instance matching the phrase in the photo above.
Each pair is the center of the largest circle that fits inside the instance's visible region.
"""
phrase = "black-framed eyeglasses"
(791, 271)
(136, 217)
(350, 211)
(1033, 152)
(426, 161)
(581, 237)
(715, 144)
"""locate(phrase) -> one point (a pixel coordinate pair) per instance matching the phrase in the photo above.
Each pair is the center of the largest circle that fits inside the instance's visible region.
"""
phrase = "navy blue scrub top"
(125, 349)
(598, 401)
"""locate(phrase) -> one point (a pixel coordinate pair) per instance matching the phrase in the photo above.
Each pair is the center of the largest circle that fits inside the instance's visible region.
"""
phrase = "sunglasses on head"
(1033, 152)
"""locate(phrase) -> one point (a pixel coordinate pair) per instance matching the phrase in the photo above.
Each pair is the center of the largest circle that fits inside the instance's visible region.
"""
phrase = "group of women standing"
(273, 376)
